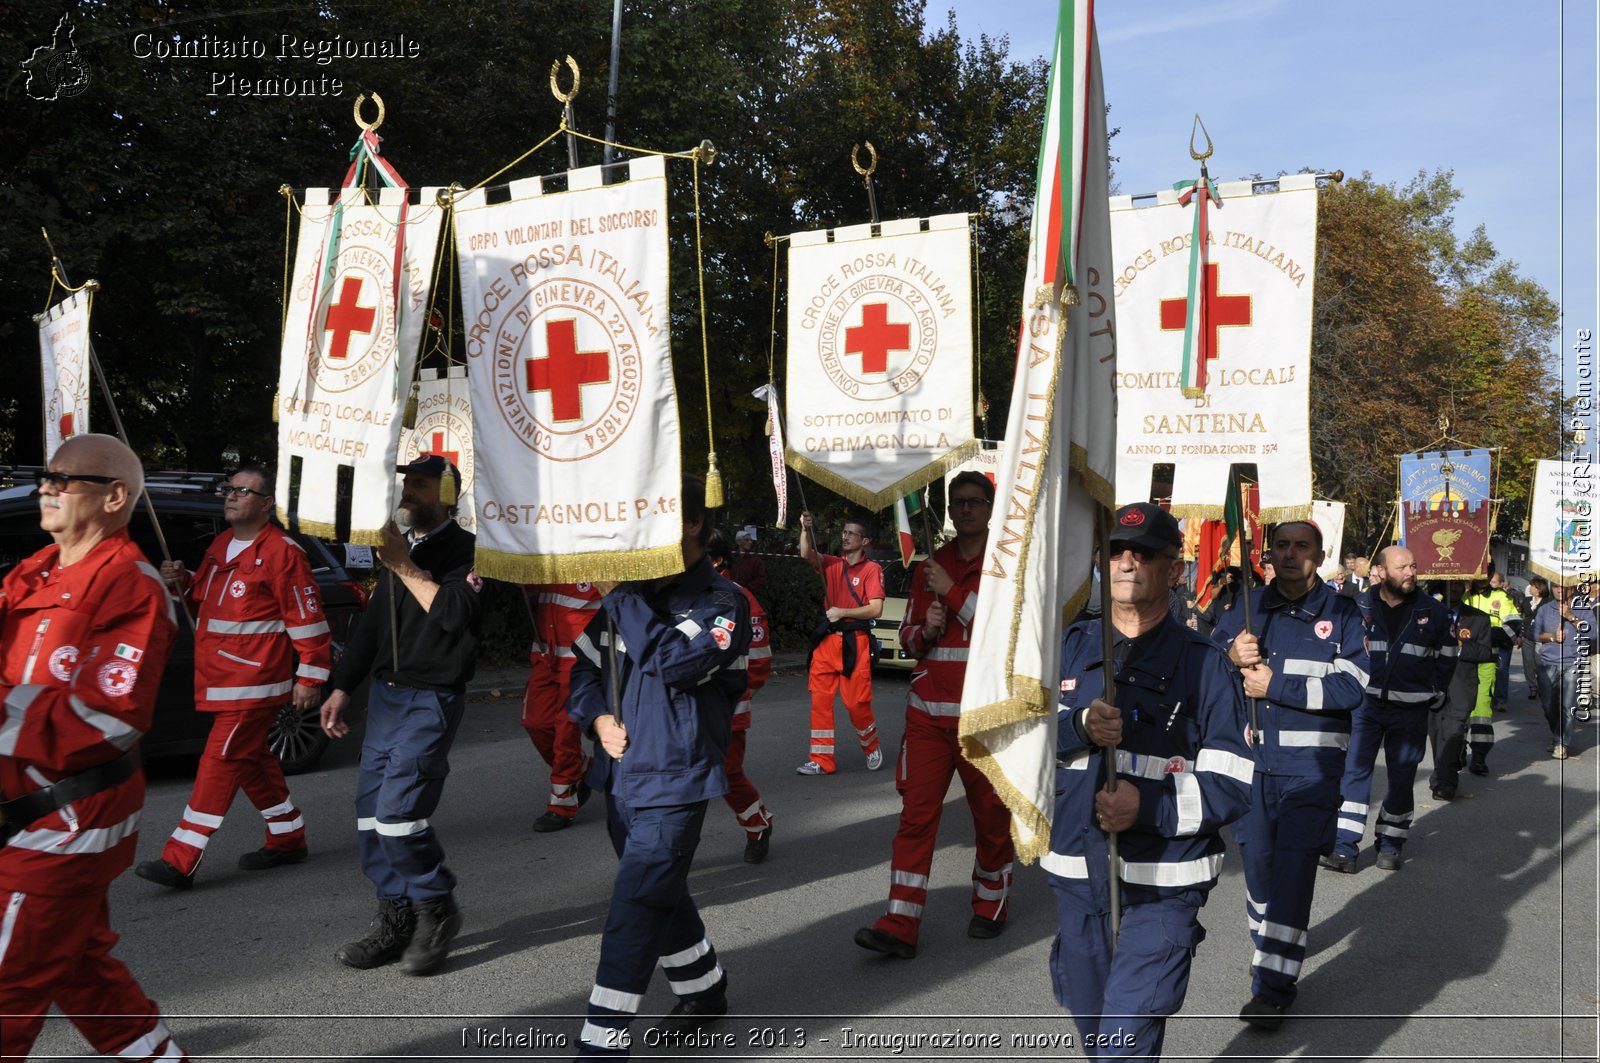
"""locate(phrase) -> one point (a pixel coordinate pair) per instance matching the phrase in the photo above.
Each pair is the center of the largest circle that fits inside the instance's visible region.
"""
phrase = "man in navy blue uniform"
(1412, 652)
(1177, 733)
(1305, 661)
(679, 645)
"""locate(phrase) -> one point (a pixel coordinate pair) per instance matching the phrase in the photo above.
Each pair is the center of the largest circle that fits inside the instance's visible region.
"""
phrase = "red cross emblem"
(347, 317)
(66, 425)
(1323, 628)
(438, 447)
(875, 337)
(566, 370)
(1216, 311)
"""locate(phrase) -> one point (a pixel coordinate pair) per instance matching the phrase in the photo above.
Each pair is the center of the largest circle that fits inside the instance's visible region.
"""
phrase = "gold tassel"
(447, 489)
(409, 418)
(277, 403)
(767, 431)
(713, 484)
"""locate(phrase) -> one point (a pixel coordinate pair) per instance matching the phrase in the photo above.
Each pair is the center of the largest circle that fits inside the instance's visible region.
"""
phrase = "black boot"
(438, 923)
(387, 939)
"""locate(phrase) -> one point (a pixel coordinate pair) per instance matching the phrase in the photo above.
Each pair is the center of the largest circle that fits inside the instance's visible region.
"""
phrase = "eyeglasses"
(229, 490)
(62, 481)
(969, 503)
(1142, 554)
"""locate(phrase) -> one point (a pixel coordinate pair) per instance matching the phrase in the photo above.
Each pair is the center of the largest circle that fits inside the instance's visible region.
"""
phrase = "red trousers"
(236, 758)
(557, 738)
(827, 677)
(742, 797)
(57, 950)
(929, 755)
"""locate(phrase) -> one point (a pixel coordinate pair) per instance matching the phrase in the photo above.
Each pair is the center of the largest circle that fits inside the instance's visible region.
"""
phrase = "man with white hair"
(85, 630)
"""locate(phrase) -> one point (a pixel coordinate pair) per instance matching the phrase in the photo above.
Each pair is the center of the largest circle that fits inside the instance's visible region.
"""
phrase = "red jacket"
(560, 613)
(82, 650)
(257, 613)
(758, 663)
(942, 666)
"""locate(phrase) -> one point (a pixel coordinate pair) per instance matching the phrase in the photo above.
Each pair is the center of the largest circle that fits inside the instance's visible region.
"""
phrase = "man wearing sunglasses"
(85, 630)
(1176, 731)
(260, 639)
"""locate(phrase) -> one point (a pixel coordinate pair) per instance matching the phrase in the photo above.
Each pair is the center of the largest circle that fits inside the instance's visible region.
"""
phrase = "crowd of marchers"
(1260, 715)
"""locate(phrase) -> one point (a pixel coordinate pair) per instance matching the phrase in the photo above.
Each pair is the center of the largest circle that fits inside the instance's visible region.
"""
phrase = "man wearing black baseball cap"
(1177, 736)
(417, 644)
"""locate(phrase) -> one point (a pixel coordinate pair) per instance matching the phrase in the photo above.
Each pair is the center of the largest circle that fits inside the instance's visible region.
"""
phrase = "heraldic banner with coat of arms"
(568, 344)
(880, 356)
(1254, 340)
(64, 354)
(350, 351)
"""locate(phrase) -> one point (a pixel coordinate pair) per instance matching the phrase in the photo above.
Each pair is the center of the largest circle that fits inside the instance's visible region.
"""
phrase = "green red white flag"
(904, 509)
(1054, 243)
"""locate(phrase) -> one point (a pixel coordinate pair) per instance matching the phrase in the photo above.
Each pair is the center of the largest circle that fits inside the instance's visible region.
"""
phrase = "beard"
(421, 516)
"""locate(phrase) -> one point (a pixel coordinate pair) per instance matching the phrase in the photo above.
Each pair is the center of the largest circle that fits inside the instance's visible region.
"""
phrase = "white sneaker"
(810, 767)
(875, 760)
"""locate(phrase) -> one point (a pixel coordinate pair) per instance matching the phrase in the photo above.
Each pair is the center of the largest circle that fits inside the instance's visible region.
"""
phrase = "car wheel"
(297, 738)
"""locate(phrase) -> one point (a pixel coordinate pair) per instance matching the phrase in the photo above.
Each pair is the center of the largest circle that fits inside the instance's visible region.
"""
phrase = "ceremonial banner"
(1330, 518)
(349, 353)
(444, 427)
(1447, 511)
(1444, 479)
(569, 344)
(985, 460)
(1056, 466)
(64, 358)
(1561, 522)
(780, 472)
(880, 356)
(1252, 349)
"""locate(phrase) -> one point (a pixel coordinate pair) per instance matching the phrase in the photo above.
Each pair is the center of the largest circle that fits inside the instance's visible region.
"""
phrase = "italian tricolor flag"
(904, 509)
(1058, 214)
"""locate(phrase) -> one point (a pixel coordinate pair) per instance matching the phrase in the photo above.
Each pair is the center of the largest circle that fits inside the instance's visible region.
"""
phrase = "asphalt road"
(1476, 950)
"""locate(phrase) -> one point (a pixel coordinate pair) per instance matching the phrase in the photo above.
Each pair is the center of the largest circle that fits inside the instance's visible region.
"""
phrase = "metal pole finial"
(1199, 127)
(567, 97)
(855, 159)
(370, 127)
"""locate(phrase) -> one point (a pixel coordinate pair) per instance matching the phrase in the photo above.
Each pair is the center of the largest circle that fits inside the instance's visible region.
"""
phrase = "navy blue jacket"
(681, 649)
(1183, 746)
(1316, 648)
(1411, 667)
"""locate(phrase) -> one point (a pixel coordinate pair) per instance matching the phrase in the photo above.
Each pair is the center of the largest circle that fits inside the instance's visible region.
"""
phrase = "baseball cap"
(433, 465)
(1148, 525)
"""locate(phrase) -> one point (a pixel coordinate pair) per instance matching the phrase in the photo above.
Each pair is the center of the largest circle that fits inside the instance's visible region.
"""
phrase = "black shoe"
(1262, 1014)
(584, 792)
(1478, 767)
(980, 927)
(263, 859)
(1390, 861)
(755, 849)
(870, 937)
(1339, 862)
(688, 1016)
(552, 821)
(1444, 793)
(386, 939)
(438, 923)
(164, 874)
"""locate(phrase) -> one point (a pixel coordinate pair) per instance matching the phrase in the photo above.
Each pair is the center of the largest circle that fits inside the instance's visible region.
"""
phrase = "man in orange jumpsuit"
(85, 630)
(560, 613)
(841, 661)
(261, 639)
(742, 795)
(937, 630)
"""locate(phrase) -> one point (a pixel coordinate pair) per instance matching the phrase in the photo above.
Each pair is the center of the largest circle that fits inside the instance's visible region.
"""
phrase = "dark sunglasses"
(61, 481)
(1142, 554)
(228, 491)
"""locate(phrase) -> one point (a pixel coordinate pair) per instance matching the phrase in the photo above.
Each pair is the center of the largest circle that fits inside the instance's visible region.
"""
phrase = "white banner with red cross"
(350, 351)
(444, 427)
(1251, 345)
(879, 394)
(64, 358)
(568, 342)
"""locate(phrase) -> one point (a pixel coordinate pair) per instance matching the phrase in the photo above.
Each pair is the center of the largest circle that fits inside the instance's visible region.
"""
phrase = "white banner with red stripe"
(568, 323)
(349, 353)
(64, 358)
(444, 427)
(879, 392)
(780, 472)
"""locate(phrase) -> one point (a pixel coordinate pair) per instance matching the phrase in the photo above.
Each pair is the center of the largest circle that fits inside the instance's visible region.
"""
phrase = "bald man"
(85, 629)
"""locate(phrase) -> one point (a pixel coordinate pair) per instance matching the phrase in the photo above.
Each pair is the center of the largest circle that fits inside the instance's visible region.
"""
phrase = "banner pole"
(1246, 550)
(1108, 668)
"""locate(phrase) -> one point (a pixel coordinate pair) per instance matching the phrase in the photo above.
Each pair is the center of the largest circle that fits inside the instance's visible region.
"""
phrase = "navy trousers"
(1402, 732)
(651, 918)
(1289, 825)
(404, 760)
(1121, 1006)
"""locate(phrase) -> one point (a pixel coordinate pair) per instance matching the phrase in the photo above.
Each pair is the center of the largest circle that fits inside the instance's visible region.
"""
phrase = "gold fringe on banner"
(1194, 509)
(889, 495)
(359, 536)
(575, 568)
(1100, 489)
(314, 528)
(1279, 514)
(1035, 819)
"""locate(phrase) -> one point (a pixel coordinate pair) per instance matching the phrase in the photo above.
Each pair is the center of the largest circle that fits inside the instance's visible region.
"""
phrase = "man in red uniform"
(937, 630)
(842, 660)
(259, 613)
(742, 795)
(85, 630)
(560, 613)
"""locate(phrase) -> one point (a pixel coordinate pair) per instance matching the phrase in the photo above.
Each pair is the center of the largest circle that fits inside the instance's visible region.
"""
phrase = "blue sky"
(1392, 88)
